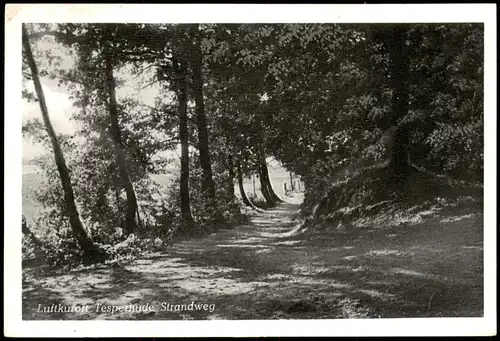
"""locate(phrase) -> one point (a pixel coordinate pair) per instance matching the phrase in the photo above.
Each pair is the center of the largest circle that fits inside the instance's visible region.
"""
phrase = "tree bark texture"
(183, 135)
(244, 196)
(120, 158)
(399, 71)
(208, 185)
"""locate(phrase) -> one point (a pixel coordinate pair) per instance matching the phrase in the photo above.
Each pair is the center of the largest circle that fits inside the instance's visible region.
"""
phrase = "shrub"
(458, 149)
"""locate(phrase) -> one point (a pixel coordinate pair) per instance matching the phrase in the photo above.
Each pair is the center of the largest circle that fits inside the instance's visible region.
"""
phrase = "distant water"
(29, 169)
(30, 183)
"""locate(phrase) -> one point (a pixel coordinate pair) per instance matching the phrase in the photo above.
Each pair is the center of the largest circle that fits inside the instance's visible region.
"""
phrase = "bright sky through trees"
(59, 103)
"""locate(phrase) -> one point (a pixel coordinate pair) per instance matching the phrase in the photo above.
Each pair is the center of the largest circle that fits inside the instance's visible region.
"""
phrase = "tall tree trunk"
(208, 185)
(244, 196)
(267, 180)
(231, 175)
(131, 210)
(187, 218)
(91, 251)
(253, 183)
(400, 85)
(264, 187)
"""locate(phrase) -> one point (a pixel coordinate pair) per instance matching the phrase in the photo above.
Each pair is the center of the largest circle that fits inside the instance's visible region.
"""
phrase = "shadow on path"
(260, 271)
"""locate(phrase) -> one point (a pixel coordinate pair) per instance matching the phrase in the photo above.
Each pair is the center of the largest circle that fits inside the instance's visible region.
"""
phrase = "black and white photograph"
(251, 170)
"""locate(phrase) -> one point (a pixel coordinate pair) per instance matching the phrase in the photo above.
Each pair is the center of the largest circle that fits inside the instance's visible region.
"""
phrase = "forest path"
(260, 270)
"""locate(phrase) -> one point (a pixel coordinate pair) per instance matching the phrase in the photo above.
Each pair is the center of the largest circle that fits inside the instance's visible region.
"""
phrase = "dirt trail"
(262, 271)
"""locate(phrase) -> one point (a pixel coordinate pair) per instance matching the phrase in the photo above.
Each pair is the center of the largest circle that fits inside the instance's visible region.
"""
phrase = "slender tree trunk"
(120, 158)
(244, 196)
(85, 241)
(208, 185)
(262, 168)
(231, 175)
(400, 86)
(187, 218)
(292, 187)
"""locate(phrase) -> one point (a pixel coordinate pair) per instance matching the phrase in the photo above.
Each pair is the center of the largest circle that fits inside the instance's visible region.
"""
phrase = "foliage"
(463, 145)
(317, 97)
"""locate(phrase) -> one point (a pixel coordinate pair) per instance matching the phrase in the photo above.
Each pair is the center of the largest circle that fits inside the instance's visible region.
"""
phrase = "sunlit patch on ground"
(251, 246)
(387, 253)
(453, 219)
(218, 285)
(288, 242)
(473, 247)
(309, 269)
(277, 277)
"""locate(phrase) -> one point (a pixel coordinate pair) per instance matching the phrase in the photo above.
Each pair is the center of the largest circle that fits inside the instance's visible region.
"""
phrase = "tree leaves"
(315, 96)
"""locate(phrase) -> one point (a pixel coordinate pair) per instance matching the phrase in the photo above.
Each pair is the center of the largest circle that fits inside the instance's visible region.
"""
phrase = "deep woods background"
(376, 119)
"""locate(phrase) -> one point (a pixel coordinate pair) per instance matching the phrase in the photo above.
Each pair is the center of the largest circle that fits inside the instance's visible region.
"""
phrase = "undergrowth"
(374, 196)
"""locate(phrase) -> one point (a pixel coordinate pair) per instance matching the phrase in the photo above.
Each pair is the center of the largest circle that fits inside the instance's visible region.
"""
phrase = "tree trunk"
(231, 175)
(400, 85)
(244, 196)
(264, 187)
(131, 210)
(91, 251)
(208, 185)
(253, 182)
(187, 218)
(268, 183)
